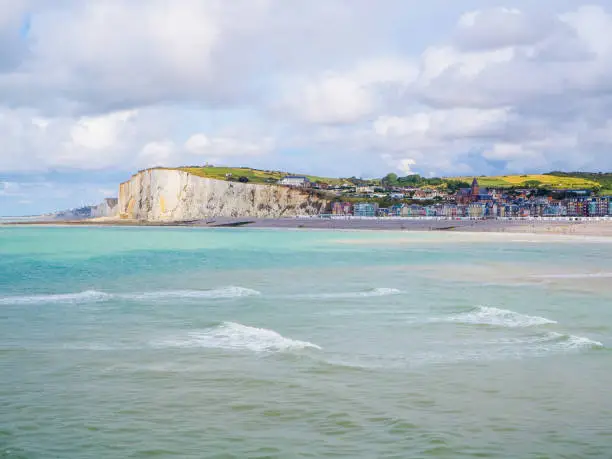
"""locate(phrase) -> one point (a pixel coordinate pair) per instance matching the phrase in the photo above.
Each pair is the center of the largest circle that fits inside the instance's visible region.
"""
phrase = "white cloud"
(218, 148)
(430, 126)
(158, 153)
(329, 99)
(245, 81)
(98, 133)
(349, 96)
(512, 90)
(499, 28)
(198, 144)
(34, 143)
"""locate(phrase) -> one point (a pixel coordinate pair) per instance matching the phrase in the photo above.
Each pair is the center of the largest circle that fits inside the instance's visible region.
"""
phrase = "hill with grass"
(604, 179)
(251, 175)
(549, 181)
(601, 182)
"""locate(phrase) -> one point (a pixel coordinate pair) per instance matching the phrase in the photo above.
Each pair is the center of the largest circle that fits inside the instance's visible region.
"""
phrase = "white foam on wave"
(235, 336)
(380, 292)
(551, 341)
(376, 292)
(573, 342)
(88, 296)
(544, 345)
(484, 315)
(539, 346)
(220, 293)
(574, 276)
(94, 296)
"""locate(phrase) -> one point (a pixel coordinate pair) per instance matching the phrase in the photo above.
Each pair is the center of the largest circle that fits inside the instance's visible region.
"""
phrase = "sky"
(93, 90)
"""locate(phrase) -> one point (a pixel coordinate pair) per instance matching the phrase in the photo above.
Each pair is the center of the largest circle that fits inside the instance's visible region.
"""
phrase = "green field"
(603, 179)
(534, 181)
(253, 175)
(552, 180)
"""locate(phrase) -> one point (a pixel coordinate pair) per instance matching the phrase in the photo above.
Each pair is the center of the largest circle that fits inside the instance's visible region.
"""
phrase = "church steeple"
(475, 189)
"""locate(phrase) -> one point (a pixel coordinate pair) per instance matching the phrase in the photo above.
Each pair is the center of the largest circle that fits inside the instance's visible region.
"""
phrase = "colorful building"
(342, 208)
(396, 210)
(598, 207)
(477, 210)
(365, 209)
(577, 207)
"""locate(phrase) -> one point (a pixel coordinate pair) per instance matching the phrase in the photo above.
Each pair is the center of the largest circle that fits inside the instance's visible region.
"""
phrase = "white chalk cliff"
(106, 209)
(170, 195)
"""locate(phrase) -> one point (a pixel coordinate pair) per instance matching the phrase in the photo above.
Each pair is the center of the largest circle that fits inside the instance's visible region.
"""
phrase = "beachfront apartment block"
(342, 208)
(598, 207)
(477, 210)
(577, 207)
(365, 209)
(555, 210)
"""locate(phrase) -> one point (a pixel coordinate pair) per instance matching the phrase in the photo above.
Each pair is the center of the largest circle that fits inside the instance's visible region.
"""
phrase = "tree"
(390, 180)
(452, 186)
(532, 183)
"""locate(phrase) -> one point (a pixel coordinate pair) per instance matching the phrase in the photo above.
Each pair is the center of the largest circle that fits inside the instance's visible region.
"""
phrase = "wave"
(220, 293)
(94, 296)
(235, 336)
(540, 346)
(574, 276)
(551, 340)
(380, 292)
(88, 296)
(484, 315)
(574, 342)
(376, 292)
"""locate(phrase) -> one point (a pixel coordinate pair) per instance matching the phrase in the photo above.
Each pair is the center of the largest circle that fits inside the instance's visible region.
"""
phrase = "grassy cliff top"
(552, 180)
(254, 175)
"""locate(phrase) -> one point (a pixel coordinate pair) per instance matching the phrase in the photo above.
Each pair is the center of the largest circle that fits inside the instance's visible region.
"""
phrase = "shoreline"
(564, 228)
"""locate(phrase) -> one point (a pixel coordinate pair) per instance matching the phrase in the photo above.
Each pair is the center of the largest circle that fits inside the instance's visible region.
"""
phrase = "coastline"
(566, 228)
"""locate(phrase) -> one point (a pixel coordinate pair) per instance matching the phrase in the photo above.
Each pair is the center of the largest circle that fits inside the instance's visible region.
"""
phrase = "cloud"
(352, 87)
(349, 96)
(122, 140)
(158, 153)
(13, 26)
(96, 56)
(331, 99)
(36, 144)
(499, 28)
(520, 92)
(221, 148)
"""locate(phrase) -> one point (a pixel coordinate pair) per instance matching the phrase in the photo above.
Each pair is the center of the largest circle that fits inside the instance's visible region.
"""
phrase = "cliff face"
(173, 195)
(108, 208)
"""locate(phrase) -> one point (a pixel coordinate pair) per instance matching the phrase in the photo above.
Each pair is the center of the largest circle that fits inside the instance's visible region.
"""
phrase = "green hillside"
(557, 182)
(604, 179)
(552, 180)
(253, 175)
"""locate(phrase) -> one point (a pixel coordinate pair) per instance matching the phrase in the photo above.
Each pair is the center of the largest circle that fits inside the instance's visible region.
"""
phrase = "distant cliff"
(174, 195)
(108, 208)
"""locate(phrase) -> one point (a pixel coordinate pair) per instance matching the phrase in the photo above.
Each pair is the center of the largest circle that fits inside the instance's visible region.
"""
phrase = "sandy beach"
(593, 228)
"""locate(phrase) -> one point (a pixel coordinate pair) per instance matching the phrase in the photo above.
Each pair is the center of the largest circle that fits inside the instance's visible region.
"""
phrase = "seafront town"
(473, 202)
(179, 196)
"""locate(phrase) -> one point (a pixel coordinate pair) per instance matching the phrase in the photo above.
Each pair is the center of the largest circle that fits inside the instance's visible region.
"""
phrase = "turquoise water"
(200, 343)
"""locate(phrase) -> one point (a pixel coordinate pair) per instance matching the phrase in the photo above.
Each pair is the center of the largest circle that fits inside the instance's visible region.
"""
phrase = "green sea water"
(237, 343)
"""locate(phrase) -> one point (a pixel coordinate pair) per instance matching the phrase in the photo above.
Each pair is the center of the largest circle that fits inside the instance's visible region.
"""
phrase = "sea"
(120, 342)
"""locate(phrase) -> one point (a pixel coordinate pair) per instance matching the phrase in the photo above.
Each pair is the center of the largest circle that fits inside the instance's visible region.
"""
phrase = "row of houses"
(576, 207)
